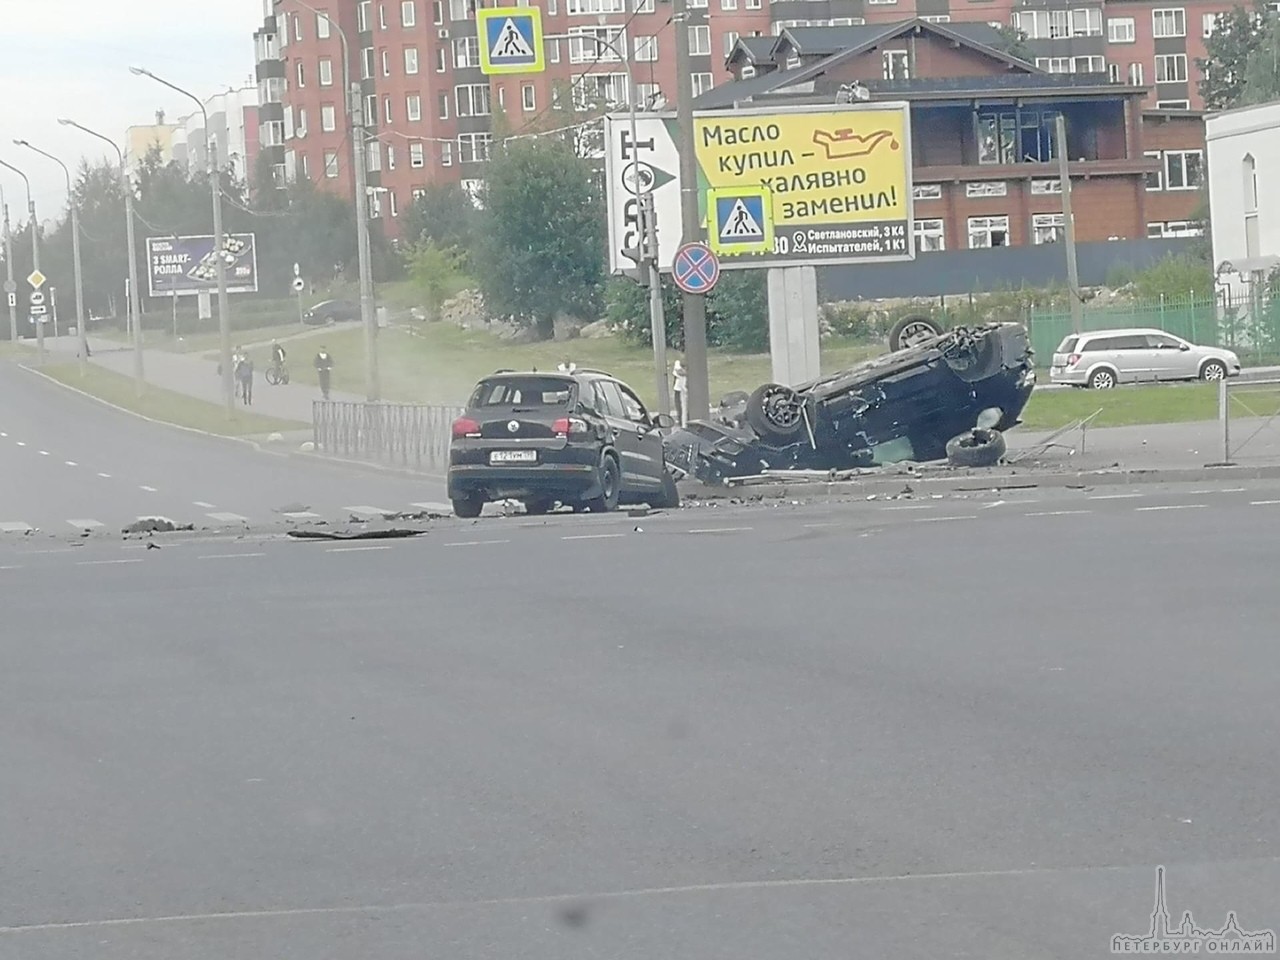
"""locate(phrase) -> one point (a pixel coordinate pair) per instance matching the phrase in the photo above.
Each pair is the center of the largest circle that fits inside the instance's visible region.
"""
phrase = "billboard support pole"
(135, 299)
(12, 284)
(698, 397)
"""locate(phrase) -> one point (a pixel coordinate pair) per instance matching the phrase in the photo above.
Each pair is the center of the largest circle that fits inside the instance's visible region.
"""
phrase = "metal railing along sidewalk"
(409, 435)
(1260, 419)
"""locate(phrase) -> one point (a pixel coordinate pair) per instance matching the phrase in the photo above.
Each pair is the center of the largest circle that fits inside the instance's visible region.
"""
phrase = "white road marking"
(204, 506)
(21, 444)
(815, 526)
(72, 463)
(1057, 513)
(721, 530)
(476, 543)
(1263, 503)
(940, 519)
(1172, 506)
(367, 511)
(99, 563)
(356, 549)
(105, 476)
(916, 506)
(86, 524)
(15, 566)
(14, 526)
(229, 556)
(595, 536)
(227, 517)
(146, 488)
(1233, 490)
(1117, 496)
(302, 515)
(44, 453)
(3, 434)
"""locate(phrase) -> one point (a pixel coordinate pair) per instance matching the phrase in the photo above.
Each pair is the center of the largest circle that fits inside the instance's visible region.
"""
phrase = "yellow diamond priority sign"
(36, 279)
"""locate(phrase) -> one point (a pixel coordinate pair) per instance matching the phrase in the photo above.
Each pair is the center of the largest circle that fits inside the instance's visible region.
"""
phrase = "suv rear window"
(530, 391)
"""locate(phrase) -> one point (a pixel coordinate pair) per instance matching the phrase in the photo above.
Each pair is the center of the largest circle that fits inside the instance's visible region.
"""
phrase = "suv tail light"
(465, 427)
(1073, 360)
(569, 426)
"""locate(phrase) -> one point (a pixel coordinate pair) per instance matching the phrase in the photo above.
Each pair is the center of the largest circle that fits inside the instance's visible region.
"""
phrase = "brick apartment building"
(984, 137)
(431, 112)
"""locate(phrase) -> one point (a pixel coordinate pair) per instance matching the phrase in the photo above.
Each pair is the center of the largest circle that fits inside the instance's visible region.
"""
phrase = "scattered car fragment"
(950, 395)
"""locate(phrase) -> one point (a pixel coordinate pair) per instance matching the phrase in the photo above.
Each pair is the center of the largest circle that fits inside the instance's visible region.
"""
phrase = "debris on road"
(393, 533)
(156, 525)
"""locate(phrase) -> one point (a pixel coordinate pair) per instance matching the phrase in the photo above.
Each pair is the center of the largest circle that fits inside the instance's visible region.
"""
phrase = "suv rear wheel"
(469, 508)
(610, 487)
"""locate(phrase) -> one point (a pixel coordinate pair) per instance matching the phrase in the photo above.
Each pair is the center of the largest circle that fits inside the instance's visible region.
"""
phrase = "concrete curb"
(976, 483)
(133, 413)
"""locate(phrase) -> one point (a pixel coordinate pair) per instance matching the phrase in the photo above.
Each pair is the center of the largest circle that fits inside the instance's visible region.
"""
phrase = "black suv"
(580, 439)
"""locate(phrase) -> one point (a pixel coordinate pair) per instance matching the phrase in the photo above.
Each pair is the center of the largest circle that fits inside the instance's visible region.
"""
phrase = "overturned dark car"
(950, 395)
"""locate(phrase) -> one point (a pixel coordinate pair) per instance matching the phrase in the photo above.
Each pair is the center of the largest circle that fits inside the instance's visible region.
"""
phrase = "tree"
(1236, 34)
(446, 214)
(1013, 41)
(541, 250)
(737, 311)
(435, 272)
(1262, 66)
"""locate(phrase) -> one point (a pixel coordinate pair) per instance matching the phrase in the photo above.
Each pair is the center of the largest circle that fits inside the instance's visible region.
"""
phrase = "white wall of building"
(1243, 152)
(227, 118)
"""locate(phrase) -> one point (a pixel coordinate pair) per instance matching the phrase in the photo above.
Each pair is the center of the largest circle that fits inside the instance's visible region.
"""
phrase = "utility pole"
(373, 388)
(35, 263)
(1069, 225)
(12, 284)
(695, 305)
(657, 318)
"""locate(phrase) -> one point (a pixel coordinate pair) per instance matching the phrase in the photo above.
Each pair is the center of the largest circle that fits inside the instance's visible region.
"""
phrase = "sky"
(73, 61)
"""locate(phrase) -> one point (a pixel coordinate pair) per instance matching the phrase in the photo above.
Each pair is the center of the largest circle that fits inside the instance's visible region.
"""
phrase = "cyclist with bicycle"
(277, 372)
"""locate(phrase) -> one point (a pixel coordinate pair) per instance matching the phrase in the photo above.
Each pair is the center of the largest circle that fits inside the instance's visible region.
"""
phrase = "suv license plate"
(513, 456)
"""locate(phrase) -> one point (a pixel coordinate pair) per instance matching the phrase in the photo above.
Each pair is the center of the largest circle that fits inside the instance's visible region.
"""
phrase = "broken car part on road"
(950, 395)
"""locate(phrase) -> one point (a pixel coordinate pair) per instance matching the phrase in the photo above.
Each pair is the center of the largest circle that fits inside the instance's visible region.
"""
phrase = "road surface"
(67, 463)
(952, 728)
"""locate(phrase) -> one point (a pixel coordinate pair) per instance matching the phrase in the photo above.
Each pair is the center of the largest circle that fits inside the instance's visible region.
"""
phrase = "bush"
(737, 312)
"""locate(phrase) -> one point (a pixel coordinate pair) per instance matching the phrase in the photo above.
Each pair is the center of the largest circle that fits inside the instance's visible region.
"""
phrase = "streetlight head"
(63, 121)
(139, 72)
(21, 143)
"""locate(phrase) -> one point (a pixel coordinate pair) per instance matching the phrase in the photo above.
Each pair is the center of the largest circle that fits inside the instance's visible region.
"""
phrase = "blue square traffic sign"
(510, 40)
(743, 221)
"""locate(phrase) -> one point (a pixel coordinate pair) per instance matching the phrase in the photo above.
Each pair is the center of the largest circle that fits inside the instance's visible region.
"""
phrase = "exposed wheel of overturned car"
(977, 448)
(911, 330)
(776, 411)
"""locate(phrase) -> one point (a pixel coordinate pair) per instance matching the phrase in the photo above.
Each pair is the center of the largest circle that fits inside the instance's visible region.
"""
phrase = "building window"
(1135, 75)
(1183, 169)
(473, 147)
(1250, 167)
(937, 18)
(382, 16)
(328, 118)
(988, 232)
(1209, 23)
(553, 51)
(1047, 227)
(442, 106)
(930, 236)
(927, 191)
(413, 108)
(297, 28)
(728, 4)
(595, 50)
(300, 72)
(362, 15)
(331, 164)
(1169, 23)
(386, 63)
(472, 99)
(700, 41)
(1155, 178)
(987, 188)
(391, 157)
(1173, 104)
(608, 89)
(366, 63)
(322, 26)
(581, 8)
(386, 110)
(417, 156)
(411, 61)
(408, 14)
(1059, 24)
(1086, 22)
(647, 94)
(437, 12)
(1171, 68)
(642, 6)
(1113, 72)
(896, 65)
(753, 4)
(1054, 64)
(446, 154)
(460, 10)
(466, 52)
(528, 97)
(1001, 140)
(391, 200)
(441, 66)
(646, 49)
(702, 82)
(1120, 30)
(1041, 187)
(371, 109)
(373, 159)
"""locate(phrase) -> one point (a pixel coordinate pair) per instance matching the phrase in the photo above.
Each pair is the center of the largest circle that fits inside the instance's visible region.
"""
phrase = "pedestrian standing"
(678, 382)
(244, 372)
(324, 367)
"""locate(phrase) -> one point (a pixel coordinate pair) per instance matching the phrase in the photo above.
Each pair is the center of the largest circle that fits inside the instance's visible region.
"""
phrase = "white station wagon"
(1100, 359)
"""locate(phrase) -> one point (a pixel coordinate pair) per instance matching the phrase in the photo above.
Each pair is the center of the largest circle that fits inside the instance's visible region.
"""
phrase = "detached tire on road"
(976, 448)
(776, 412)
(911, 330)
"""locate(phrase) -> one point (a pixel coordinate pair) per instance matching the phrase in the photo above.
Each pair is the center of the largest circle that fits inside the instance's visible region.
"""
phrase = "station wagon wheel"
(909, 331)
(777, 411)
(1102, 379)
(1213, 371)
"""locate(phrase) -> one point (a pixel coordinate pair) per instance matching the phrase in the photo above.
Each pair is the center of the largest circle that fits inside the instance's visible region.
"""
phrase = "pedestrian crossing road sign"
(510, 40)
(741, 220)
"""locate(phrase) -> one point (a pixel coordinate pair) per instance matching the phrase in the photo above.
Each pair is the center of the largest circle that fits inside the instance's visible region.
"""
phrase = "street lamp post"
(12, 285)
(75, 253)
(355, 113)
(215, 187)
(134, 308)
(35, 249)
(648, 227)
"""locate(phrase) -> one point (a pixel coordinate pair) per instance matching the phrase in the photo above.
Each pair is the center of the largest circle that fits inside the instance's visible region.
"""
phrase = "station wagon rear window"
(523, 392)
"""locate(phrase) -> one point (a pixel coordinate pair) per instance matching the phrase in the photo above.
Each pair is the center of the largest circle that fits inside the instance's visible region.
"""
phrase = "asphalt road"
(67, 462)
(909, 730)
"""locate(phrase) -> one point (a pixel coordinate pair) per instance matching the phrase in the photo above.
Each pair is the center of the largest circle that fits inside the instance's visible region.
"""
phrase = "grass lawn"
(9, 348)
(1161, 403)
(165, 405)
(441, 363)
(206, 342)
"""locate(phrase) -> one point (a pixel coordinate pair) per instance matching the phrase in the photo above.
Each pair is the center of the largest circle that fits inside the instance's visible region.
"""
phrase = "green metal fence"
(1253, 330)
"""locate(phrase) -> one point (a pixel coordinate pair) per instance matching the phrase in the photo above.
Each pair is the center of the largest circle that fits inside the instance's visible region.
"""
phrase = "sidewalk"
(193, 376)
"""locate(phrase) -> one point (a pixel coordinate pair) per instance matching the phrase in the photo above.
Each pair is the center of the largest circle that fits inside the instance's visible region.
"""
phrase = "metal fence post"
(1225, 416)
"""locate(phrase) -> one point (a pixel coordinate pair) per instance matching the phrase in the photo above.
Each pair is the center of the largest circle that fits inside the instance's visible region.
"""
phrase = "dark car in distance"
(583, 440)
(331, 311)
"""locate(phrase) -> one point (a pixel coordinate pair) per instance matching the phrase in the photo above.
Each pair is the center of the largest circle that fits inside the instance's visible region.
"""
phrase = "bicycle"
(277, 374)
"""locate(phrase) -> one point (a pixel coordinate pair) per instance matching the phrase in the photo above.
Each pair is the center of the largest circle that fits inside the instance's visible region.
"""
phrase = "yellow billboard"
(836, 182)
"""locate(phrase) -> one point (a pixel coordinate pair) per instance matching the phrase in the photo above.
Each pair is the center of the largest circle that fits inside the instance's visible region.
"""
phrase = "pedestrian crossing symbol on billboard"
(510, 40)
(742, 221)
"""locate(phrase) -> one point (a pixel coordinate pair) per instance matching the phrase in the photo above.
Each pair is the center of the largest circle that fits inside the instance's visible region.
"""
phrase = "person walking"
(678, 383)
(244, 373)
(324, 368)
